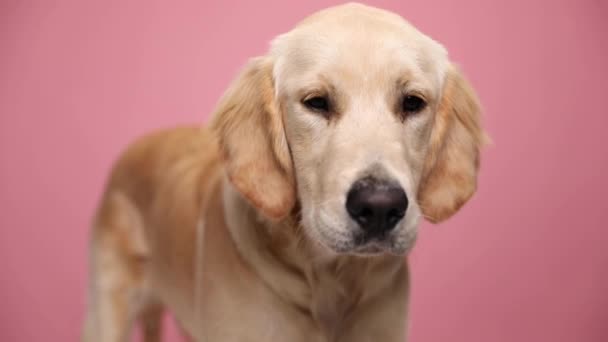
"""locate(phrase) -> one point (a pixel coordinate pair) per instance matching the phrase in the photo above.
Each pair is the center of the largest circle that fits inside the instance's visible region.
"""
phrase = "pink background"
(526, 260)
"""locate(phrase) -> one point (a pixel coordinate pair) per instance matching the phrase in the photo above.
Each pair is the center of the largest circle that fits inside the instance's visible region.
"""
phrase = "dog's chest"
(332, 303)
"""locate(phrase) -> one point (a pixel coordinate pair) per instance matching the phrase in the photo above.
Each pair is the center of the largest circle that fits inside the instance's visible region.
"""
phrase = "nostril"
(365, 213)
(394, 215)
(393, 212)
(364, 217)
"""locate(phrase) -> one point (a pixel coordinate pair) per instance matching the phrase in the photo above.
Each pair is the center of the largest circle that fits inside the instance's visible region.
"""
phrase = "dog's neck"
(326, 288)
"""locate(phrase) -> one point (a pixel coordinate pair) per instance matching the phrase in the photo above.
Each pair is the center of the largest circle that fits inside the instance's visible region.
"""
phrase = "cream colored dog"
(289, 218)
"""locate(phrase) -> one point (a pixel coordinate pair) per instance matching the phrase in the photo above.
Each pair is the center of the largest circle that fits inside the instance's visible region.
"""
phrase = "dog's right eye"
(317, 103)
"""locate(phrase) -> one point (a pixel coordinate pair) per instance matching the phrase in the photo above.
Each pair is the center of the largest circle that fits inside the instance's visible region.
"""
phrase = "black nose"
(376, 205)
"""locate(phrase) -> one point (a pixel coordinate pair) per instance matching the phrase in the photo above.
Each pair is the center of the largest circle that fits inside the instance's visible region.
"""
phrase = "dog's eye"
(413, 104)
(317, 103)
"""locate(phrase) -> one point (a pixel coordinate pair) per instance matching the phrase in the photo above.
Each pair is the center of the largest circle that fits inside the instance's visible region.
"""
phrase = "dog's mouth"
(382, 244)
(371, 249)
(372, 245)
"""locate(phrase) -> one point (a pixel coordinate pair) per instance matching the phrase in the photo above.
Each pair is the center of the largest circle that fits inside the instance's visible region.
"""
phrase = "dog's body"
(240, 229)
(278, 295)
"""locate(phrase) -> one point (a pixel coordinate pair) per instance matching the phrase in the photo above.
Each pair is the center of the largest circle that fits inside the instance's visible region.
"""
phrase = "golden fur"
(227, 226)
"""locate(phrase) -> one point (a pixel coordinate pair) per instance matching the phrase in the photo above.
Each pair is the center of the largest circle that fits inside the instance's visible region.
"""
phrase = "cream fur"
(239, 229)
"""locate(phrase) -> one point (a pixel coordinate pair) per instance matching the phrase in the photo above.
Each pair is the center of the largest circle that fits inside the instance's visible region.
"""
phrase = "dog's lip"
(371, 249)
(374, 246)
(381, 245)
(383, 240)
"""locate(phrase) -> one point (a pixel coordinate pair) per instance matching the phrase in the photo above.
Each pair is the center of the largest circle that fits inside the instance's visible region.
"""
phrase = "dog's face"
(363, 120)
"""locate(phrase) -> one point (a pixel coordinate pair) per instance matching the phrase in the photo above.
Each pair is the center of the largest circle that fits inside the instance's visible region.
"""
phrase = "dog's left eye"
(413, 104)
(317, 103)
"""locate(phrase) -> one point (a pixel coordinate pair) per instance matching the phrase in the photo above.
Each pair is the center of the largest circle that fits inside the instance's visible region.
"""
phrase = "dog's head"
(361, 119)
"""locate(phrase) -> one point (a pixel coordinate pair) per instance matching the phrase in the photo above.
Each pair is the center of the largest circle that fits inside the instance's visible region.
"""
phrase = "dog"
(289, 216)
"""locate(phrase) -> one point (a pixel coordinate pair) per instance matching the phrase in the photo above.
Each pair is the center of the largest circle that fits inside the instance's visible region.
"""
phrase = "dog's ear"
(449, 176)
(250, 133)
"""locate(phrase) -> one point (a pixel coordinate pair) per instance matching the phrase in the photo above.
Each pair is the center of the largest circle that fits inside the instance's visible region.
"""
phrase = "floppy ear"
(449, 176)
(250, 133)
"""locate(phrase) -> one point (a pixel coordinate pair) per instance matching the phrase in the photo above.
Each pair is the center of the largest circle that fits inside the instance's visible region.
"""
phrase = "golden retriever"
(289, 217)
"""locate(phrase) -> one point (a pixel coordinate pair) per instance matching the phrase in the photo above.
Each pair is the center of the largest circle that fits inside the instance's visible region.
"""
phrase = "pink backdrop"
(526, 260)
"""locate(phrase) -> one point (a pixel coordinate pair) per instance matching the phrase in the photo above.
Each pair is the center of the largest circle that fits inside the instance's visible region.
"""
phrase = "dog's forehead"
(357, 40)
